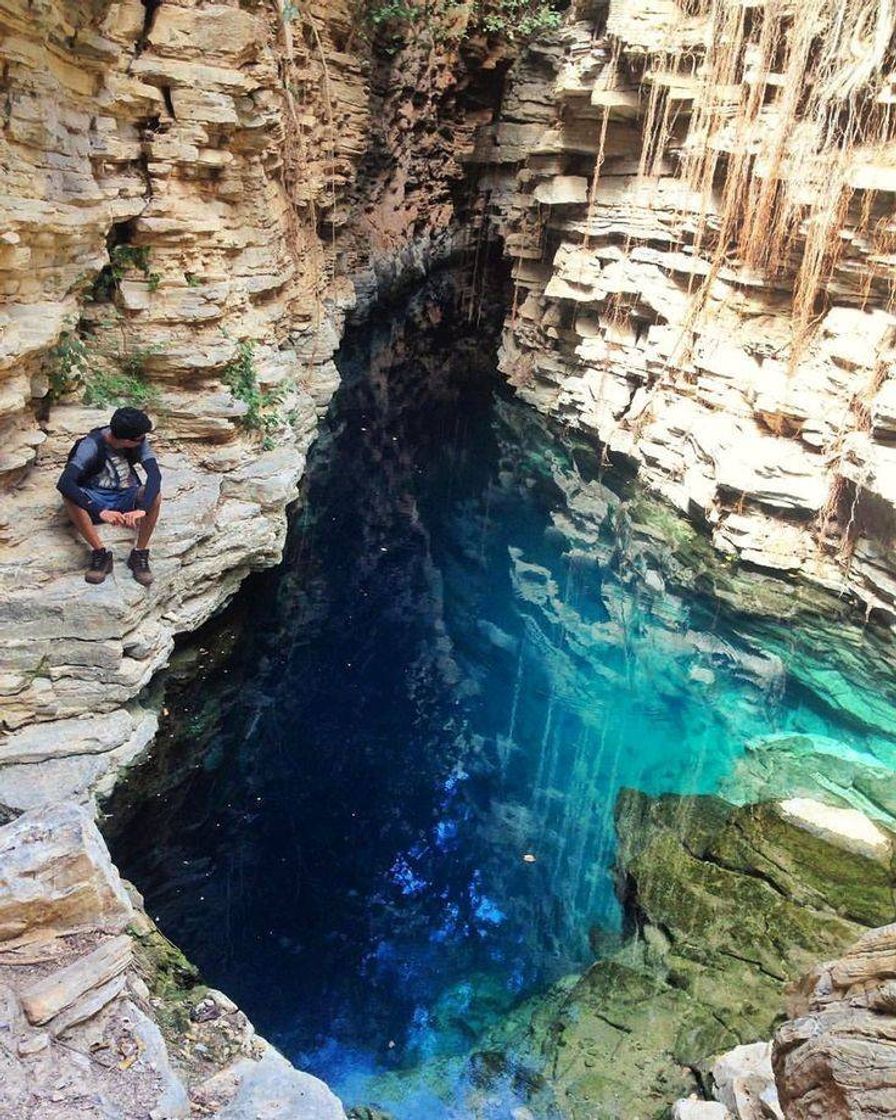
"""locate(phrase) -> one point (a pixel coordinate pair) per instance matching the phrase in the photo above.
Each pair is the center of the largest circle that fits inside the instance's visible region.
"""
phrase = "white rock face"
(745, 1084)
(846, 828)
(694, 370)
(699, 1110)
(272, 1089)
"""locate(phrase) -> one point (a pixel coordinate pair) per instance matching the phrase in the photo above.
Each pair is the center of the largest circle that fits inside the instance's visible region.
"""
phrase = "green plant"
(192, 280)
(133, 363)
(262, 405)
(396, 11)
(123, 258)
(108, 387)
(515, 20)
(66, 364)
(518, 19)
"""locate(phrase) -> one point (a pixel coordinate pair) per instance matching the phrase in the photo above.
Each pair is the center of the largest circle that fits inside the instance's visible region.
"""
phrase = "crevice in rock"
(151, 8)
(169, 103)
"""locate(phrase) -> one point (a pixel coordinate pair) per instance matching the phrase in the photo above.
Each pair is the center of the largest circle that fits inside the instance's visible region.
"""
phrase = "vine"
(122, 259)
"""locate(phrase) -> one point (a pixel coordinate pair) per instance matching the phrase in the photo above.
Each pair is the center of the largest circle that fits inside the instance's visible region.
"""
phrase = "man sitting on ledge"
(99, 484)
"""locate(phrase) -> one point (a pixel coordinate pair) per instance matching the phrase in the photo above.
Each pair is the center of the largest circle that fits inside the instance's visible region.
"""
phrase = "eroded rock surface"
(692, 363)
(727, 906)
(836, 1057)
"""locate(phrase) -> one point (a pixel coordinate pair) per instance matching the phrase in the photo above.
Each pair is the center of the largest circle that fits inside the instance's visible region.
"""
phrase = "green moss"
(174, 983)
(727, 904)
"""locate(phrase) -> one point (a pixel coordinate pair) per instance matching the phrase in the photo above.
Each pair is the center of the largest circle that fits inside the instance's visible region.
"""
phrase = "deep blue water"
(382, 807)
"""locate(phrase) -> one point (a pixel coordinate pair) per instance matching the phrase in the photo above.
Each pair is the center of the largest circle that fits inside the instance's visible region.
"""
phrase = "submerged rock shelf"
(383, 801)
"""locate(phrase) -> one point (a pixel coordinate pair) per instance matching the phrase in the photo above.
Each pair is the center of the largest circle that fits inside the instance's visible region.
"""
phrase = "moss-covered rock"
(725, 905)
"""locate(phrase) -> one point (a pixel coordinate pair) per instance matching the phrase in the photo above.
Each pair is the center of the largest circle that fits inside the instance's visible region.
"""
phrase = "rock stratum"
(195, 195)
(703, 270)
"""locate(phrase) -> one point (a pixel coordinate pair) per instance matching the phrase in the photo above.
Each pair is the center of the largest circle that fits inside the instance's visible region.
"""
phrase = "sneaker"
(100, 565)
(138, 562)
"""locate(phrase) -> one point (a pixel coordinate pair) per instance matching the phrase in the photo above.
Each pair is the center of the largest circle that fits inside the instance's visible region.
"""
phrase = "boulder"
(745, 1084)
(836, 1057)
(63, 989)
(56, 876)
(272, 1089)
(699, 1110)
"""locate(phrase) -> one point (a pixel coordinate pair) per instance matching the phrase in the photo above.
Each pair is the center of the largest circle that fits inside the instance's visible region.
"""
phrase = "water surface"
(384, 814)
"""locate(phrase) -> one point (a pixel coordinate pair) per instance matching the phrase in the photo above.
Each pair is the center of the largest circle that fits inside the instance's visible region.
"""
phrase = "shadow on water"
(380, 809)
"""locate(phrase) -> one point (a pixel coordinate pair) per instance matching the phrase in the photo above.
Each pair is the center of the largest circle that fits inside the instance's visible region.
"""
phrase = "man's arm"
(76, 470)
(153, 475)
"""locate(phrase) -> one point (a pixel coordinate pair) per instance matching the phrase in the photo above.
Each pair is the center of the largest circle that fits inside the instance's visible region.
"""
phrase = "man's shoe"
(138, 562)
(100, 565)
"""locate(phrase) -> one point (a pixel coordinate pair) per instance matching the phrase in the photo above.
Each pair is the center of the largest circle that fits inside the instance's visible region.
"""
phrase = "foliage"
(518, 19)
(67, 360)
(262, 405)
(123, 258)
(393, 11)
(106, 377)
(192, 280)
(515, 20)
(119, 387)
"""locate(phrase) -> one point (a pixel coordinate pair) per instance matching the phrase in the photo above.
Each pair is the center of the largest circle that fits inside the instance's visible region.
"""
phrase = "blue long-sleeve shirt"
(95, 465)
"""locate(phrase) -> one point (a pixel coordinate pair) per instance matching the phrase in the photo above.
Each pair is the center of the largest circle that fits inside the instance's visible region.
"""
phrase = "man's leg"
(80, 518)
(146, 524)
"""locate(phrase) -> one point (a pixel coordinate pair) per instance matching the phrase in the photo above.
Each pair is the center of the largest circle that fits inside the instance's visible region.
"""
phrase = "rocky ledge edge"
(101, 1017)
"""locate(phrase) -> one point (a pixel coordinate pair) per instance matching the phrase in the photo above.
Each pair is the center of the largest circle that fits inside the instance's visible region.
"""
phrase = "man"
(100, 484)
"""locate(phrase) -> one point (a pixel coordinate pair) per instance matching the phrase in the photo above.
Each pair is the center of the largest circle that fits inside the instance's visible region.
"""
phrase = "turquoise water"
(385, 815)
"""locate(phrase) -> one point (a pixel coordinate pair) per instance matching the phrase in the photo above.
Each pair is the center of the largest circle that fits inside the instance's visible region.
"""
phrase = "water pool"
(382, 807)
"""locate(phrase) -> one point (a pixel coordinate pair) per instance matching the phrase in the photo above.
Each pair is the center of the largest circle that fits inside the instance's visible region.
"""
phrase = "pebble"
(33, 1045)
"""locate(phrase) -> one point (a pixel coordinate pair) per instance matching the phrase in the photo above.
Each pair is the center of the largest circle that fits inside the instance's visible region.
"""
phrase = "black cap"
(129, 423)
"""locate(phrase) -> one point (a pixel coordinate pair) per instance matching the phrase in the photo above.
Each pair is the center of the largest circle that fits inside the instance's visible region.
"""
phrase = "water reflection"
(387, 813)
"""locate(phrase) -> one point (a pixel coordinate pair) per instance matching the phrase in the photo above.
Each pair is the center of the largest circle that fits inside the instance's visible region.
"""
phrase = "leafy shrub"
(516, 20)
(66, 367)
(117, 387)
(262, 405)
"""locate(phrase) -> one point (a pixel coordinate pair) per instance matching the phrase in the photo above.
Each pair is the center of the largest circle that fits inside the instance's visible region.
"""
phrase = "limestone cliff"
(703, 278)
(194, 196)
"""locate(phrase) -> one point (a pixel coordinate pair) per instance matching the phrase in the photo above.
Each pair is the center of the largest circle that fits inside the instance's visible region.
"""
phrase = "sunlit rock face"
(661, 306)
(155, 229)
(835, 1057)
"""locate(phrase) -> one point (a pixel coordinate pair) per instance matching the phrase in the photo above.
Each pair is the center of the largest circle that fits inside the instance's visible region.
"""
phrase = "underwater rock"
(813, 766)
(725, 905)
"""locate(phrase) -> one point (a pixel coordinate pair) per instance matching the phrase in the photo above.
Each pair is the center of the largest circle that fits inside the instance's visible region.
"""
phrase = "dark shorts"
(124, 501)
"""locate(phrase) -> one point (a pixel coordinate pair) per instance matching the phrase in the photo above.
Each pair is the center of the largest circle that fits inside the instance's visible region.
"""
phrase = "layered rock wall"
(168, 171)
(194, 196)
(740, 358)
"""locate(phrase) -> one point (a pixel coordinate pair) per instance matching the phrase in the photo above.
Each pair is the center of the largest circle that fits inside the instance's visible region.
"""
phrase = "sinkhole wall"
(194, 196)
(701, 233)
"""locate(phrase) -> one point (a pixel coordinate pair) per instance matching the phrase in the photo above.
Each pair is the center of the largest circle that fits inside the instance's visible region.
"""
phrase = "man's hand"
(131, 519)
(112, 517)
